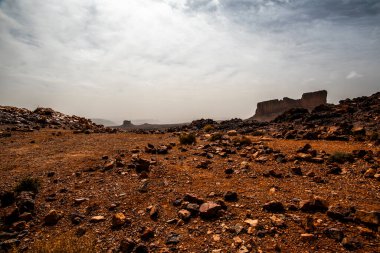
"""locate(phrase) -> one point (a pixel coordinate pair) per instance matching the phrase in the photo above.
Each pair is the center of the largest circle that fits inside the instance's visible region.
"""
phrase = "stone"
(184, 215)
(141, 248)
(26, 216)
(193, 208)
(25, 202)
(109, 165)
(274, 207)
(118, 220)
(97, 218)
(232, 133)
(351, 243)
(19, 226)
(7, 198)
(172, 238)
(338, 212)
(251, 222)
(52, 218)
(317, 204)
(307, 237)
(154, 212)
(370, 173)
(193, 199)
(229, 171)
(10, 214)
(296, 171)
(334, 233)
(278, 221)
(127, 245)
(368, 217)
(231, 196)
(9, 244)
(147, 233)
(209, 210)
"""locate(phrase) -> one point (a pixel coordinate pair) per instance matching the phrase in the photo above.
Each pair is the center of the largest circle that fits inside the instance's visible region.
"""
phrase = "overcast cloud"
(178, 60)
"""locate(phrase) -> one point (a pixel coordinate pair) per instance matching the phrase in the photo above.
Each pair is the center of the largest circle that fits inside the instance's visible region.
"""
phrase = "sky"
(168, 61)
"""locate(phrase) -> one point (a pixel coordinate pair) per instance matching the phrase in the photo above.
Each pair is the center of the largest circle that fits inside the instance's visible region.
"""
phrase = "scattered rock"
(274, 207)
(209, 210)
(52, 218)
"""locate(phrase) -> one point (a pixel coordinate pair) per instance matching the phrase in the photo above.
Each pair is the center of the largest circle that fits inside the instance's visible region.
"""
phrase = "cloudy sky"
(178, 60)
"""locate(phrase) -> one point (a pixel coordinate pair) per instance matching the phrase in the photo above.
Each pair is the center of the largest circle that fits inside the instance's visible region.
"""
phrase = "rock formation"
(269, 110)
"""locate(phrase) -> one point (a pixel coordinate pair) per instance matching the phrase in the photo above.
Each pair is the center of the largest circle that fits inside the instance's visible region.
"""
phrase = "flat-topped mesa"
(269, 110)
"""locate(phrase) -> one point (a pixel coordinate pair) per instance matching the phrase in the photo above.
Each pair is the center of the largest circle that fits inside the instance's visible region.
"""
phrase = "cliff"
(269, 110)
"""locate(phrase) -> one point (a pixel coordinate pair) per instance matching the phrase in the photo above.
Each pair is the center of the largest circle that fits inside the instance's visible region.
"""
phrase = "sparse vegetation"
(216, 136)
(341, 157)
(65, 243)
(244, 140)
(208, 128)
(187, 139)
(28, 184)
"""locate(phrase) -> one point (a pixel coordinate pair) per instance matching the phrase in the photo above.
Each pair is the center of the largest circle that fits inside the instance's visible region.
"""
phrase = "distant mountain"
(104, 122)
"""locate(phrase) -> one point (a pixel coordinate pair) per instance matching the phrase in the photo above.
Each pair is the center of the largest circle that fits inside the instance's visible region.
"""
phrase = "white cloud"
(353, 75)
(159, 59)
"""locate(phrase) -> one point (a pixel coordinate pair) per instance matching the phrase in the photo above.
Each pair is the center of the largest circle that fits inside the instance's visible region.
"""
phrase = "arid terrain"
(248, 189)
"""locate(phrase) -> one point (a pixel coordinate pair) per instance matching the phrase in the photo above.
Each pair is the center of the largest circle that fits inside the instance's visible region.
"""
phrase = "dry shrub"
(187, 139)
(208, 128)
(65, 243)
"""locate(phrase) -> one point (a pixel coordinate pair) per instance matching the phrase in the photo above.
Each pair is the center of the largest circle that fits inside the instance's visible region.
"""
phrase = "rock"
(334, 233)
(127, 245)
(184, 215)
(251, 223)
(26, 216)
(52, 218)
(229, 171)
(193, 199)
(10, 214)
(153, 213)
(193, 208)
(109, 165)
(172, 238)
(9, 244)
(18, 226)
(370, 218)
(141, 248)
(7, 198)
(76, 218)
(209, 210)
(296, 171)
(118, 220)
(351, 243)
(370, 173)
(307, 237)
(25, 202)
(96, 219)
(274, 207)
(79, 201)
(338, 212)
(147, 233)
(232, 133)
(231, 196)
(317, 204)
(278, 221)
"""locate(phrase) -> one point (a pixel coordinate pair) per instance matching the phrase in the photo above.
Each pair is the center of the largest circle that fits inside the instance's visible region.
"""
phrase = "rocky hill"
(21, 119)
(269, 110)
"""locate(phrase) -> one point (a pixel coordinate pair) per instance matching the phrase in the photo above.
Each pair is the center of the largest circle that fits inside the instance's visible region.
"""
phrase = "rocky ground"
(227, 193)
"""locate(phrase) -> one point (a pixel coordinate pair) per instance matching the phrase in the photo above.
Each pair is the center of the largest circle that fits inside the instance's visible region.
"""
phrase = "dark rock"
(274, 207)
(317, 204)
(52, 218)
(368, 217)
(127, 245)
(338, 212)
(231, 196)
(172, 238)
(25, 202)
(334, 233)
(7, 198)
(193, 199)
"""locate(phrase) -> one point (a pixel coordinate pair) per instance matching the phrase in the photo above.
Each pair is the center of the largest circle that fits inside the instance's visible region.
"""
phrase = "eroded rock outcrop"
(269, 110)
